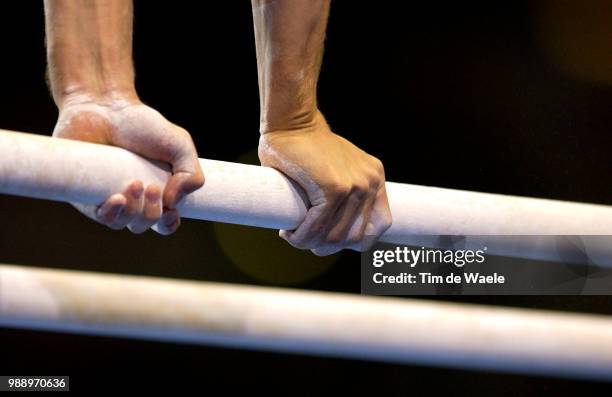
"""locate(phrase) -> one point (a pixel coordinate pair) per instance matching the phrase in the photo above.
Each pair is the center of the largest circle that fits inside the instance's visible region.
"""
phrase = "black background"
(460, 96)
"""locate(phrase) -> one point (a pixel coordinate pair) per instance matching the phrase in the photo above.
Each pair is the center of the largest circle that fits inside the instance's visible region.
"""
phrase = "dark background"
(506, 97)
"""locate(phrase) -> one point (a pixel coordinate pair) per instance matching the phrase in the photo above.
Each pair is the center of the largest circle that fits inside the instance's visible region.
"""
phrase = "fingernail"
(116, 212)
(152, 196)
(170, 219)
(137, 192)
(119, 209)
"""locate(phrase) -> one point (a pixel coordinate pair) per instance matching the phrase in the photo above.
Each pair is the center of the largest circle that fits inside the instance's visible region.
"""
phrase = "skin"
(345, 185)
(91, 76)
(89, 45)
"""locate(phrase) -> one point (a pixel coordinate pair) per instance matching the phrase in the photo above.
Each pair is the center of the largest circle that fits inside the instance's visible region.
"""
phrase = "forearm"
(89, 49)
(289, 38)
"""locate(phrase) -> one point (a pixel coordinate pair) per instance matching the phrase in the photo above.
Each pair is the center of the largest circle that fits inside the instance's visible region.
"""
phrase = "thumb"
(187, 176)
(180, 184)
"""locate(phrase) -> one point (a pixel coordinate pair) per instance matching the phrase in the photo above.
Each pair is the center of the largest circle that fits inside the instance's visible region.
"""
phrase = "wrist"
(288, 102)
(80, 95)
(288, 112)
(78, 81)
(298, 121)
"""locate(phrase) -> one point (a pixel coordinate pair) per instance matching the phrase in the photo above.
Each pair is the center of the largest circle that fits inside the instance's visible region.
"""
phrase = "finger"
(151, 212)
(326, 250)
(133, 206)
(356, 238)
(336, 238)
(187, 175)
(90, 211)
(110, 210)
(312, 229)
(353, 211)
(168, 223)
(348, 232)
(317, 221)
(380, 219)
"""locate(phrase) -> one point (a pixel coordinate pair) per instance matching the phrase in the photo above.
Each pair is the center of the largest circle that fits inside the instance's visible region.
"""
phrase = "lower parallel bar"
(470, 336)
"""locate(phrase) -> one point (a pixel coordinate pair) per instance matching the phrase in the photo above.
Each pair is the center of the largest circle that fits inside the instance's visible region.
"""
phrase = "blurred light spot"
(264, 256)
(576, 36)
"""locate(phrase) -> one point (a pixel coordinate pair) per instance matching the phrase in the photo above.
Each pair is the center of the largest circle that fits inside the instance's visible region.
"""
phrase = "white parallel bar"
(330, 324)
(72, 171)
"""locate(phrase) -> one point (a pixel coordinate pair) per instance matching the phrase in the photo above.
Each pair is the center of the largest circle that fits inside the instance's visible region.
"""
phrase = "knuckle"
(188, 182)
(200, 179)
(378, 166)
(196, 182)
(183, 131)
(360, 189)
(375, 181)
(376, 176)
(339, 190)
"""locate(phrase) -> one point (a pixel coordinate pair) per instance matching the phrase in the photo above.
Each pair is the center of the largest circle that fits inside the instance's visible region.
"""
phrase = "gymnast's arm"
(345, 185)
(91, 76)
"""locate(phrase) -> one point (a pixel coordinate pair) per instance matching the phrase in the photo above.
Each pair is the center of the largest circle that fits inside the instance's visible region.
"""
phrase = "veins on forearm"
(289, 39)
(89, 48)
